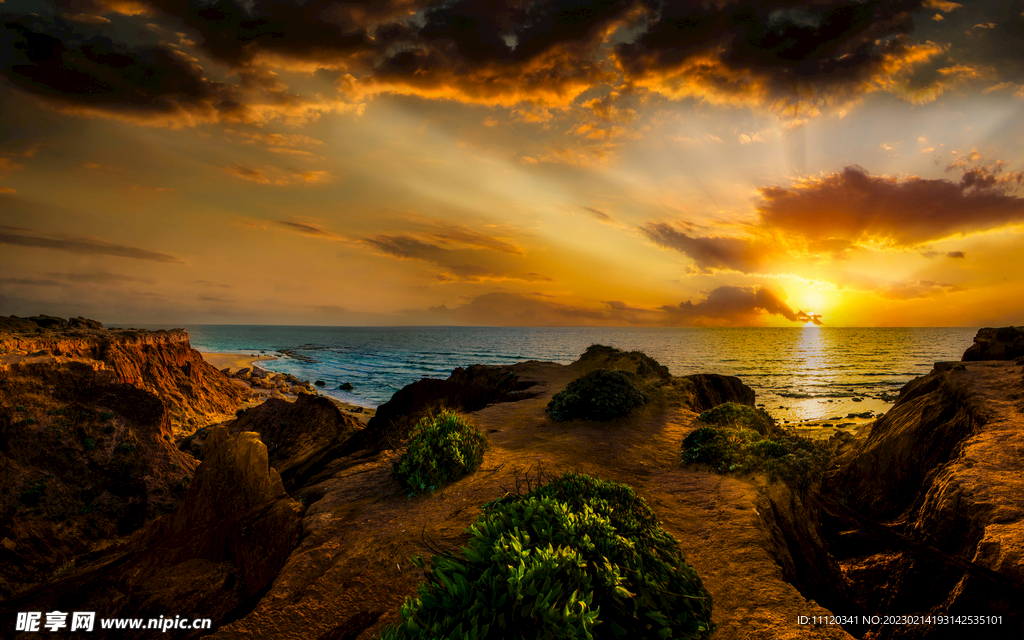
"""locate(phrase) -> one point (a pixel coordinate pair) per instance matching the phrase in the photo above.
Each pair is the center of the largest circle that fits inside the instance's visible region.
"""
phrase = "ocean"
(799, 374)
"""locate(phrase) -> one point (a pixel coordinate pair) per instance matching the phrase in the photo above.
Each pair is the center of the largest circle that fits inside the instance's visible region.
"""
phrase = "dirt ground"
(351, 571)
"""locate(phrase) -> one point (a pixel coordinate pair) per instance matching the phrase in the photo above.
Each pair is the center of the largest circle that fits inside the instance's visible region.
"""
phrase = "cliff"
(934, 498)
(87, 431)
(160, 362)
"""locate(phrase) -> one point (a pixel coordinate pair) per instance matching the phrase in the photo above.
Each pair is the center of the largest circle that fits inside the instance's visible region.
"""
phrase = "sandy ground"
(233, 361)
(236, 361)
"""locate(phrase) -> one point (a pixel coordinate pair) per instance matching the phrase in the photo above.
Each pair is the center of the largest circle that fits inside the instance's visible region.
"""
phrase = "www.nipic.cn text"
(52, 621)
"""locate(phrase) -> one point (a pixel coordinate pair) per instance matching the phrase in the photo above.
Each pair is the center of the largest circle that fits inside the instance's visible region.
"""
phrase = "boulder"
(346, 386)
(1004, 343)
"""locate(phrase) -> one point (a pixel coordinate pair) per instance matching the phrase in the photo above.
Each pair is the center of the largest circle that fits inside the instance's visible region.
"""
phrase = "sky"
(513, 162)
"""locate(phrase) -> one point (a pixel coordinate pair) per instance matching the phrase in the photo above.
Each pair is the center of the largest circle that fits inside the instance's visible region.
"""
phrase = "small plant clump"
(579, 557)
(602, 394)
(731, 414)
(442, 447)
(743, 439)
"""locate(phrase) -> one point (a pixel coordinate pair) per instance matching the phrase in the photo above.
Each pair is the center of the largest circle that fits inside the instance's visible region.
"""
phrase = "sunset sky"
(513, 162)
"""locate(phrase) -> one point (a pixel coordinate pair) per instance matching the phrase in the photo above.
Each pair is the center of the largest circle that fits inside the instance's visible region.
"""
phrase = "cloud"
(277, 177)
(95, 278)
(724, 306)
(601, 216)
(715, 252)
(781, 54)
(464, 236)
(75, 66)
(82, 245)
(531, 57)
(454, 262)
(738, 305)
(30, 282)
(857, 207)
(7, 165)
(956, 254)
(918, 289)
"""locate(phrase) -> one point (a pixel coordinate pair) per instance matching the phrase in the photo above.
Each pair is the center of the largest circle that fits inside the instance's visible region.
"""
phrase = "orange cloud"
(854, 206)
(277, 177)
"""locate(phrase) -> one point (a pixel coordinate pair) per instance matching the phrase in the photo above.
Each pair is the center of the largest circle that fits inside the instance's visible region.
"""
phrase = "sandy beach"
(233, 361)
(237, 361)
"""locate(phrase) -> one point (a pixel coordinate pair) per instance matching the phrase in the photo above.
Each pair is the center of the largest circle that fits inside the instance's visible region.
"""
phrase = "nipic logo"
(55, 621)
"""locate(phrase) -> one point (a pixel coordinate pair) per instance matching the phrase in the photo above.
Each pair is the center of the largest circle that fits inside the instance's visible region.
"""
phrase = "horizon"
(561, 163)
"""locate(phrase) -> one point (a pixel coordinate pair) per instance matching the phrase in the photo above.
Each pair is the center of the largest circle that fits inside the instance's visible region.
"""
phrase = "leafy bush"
(738, 446)
(577, 558)
(602, 394)
(442, 447)
(730, 414)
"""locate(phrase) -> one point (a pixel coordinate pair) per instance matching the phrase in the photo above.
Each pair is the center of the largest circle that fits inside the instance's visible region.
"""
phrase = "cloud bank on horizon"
(545, 162)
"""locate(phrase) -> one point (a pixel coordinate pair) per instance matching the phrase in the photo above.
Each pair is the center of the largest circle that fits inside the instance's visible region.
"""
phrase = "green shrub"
(730, 414)
(442, 447)
(89, 444)
(576, 558)
(602, 394)
(737, 446)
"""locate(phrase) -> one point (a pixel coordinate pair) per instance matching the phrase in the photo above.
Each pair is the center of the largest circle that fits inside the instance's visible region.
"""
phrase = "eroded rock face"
(83, 458)
(211, 558)
(1004, 343)
(301, 435)
(938, 485)
(161, 362)
(88, 419)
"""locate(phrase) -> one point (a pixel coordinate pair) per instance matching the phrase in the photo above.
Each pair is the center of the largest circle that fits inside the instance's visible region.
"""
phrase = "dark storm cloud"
(81, 245)
(788, 46)
(739, 305)
(494, 52)
(715, 252)
(77, 66)
(853, 205)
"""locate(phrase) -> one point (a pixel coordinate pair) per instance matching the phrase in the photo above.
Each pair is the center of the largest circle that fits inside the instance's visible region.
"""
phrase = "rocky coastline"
(140, 480)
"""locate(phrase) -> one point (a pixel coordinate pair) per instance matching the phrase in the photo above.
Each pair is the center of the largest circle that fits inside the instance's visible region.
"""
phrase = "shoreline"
(237, 361)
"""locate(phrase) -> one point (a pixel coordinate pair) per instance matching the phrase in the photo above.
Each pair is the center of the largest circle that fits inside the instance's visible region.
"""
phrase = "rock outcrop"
(88, 419)
(212, 558)
(1004, 343)
(301, 436)
(928, 516)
